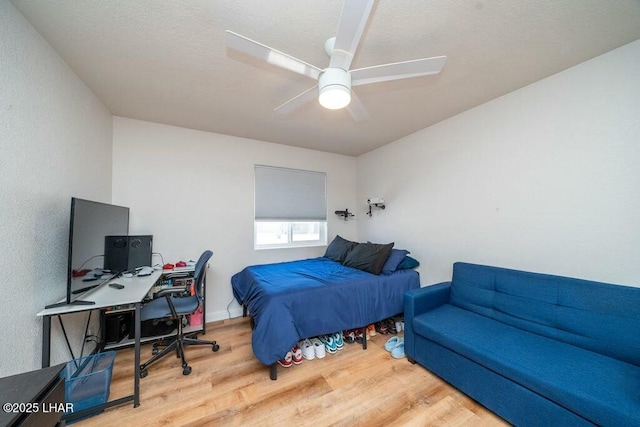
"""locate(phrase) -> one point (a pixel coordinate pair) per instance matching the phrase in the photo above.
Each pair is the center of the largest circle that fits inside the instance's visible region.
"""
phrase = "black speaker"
(139, 251)
(116, 253)
(117, 326)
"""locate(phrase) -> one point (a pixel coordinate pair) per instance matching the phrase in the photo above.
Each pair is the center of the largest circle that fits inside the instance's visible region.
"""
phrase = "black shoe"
(391, 326)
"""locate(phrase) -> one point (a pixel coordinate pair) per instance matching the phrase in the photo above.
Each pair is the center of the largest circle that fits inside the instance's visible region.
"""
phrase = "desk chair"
(168, 304)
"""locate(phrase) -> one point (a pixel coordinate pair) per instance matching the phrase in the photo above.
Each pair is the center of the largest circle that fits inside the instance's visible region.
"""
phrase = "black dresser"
(39, 394)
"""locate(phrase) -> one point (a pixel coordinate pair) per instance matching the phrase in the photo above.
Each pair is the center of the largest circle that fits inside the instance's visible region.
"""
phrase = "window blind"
(283, 194)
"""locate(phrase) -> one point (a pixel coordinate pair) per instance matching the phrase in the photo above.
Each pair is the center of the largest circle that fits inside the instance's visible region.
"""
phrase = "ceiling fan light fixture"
(335, 88)
(334, 97)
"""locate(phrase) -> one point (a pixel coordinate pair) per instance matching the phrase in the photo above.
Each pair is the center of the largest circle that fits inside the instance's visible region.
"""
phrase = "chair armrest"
(169, 291)
(166, 293)
(416, 302)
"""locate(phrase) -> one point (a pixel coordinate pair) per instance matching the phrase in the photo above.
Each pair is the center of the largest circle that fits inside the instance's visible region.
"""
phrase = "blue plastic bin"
(88, 380)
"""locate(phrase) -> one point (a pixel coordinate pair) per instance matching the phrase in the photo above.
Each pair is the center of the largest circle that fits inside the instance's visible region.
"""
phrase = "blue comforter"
(293, 300)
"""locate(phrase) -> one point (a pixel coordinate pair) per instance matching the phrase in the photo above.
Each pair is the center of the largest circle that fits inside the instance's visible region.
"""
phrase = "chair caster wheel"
(215, 347)
(186, 370)
(154, 351)
(143, 373)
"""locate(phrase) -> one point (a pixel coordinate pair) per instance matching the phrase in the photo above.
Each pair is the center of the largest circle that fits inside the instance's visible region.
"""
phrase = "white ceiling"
(166, 61)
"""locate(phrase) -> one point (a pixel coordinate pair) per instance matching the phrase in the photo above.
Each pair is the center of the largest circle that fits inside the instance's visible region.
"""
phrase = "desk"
(135, 290)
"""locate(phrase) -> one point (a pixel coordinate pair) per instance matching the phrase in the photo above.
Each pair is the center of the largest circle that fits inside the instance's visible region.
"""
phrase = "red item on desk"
(76, 273)
(181, 264)
(168, 267)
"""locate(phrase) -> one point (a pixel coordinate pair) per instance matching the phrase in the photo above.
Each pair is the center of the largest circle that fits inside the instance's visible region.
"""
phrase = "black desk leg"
(136, 375)
(46, 341)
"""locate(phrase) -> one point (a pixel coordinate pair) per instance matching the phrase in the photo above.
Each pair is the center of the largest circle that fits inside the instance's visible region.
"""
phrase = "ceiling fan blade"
(355, 14)
(356, 109)
(397, 70)
(298, 101)
(272, 56)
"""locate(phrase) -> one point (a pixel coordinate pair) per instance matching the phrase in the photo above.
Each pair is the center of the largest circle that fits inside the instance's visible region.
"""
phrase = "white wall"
(193, 191)
(55, 142)
(546, 178)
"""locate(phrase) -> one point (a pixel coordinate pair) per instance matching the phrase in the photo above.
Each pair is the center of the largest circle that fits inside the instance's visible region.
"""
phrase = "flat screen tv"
(92, 225)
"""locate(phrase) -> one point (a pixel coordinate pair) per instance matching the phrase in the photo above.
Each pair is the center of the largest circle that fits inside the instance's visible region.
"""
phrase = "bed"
(290, 301)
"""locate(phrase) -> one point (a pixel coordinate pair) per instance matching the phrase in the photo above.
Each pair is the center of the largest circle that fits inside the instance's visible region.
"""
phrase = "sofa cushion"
(597, 387)
(596, 316)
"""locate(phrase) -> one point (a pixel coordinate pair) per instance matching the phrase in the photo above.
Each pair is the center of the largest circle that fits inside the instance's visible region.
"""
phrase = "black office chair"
(169, 304)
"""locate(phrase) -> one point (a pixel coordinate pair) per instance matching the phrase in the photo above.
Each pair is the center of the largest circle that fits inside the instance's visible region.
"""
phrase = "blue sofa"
(535, 349)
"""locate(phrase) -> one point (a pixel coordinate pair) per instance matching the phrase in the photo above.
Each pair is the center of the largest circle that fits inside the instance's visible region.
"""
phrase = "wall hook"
(376, 202)
(345, 213)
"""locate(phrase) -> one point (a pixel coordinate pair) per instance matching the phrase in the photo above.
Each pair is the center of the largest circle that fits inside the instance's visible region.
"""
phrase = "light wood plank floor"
(354, 387)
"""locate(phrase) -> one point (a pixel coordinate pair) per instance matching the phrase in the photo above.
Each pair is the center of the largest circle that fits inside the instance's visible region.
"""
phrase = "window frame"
(322, 241)
(289, 196)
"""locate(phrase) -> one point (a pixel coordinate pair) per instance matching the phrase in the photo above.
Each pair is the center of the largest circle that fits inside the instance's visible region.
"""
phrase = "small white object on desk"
(145, 271)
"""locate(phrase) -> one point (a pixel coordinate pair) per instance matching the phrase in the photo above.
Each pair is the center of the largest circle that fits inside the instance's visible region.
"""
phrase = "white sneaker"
(308, 351)
(318, 347)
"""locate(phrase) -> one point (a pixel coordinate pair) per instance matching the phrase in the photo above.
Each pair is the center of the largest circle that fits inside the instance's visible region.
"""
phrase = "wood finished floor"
(354, 387)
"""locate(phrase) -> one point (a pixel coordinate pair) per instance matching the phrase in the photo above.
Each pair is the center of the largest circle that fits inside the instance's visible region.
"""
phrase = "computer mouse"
(145, 271)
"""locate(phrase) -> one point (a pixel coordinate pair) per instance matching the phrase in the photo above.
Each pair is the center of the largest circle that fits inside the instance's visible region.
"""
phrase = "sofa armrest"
(418, 301)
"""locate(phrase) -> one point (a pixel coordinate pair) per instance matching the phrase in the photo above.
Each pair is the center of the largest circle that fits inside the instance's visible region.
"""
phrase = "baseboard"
(221, 315)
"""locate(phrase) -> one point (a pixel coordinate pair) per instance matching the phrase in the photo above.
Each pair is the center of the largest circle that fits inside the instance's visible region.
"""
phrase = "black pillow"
(369, 257)
(338, 249)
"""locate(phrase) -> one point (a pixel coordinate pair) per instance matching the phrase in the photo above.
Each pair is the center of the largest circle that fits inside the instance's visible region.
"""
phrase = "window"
(290, 208)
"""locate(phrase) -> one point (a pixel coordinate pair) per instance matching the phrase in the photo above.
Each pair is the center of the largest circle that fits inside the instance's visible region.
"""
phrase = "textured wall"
(55, 143)
(545, 178)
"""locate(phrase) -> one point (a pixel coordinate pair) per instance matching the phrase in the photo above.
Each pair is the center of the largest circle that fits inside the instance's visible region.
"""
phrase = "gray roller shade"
(290, 194)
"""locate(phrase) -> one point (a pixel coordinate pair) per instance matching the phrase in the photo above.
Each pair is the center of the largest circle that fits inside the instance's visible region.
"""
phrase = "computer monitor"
(90, 225)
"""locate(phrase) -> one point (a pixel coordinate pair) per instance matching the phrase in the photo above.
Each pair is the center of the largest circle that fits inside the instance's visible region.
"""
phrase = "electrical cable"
(228, 311)
(161, 257)
(95, 256)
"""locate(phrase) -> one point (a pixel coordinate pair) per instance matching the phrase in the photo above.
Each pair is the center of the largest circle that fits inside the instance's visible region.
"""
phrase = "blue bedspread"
(293, 300)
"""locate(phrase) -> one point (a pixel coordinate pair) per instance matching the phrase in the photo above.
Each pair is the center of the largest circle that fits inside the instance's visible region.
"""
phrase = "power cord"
(228, 305)
(83, 264)
(160, 255)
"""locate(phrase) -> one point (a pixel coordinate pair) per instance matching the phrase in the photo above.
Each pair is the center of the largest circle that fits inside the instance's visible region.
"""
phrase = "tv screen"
(92, 225)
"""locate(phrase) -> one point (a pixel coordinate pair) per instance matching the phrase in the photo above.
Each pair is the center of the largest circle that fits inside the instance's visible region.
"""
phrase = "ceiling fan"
(335, 81)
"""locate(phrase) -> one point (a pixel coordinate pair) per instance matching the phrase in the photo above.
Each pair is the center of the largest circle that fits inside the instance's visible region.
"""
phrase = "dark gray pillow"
(338, 249)
(369, 257)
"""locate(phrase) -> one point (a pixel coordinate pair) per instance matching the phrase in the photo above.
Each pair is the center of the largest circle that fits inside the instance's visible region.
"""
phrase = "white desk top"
(135, 289)
(187, 269)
